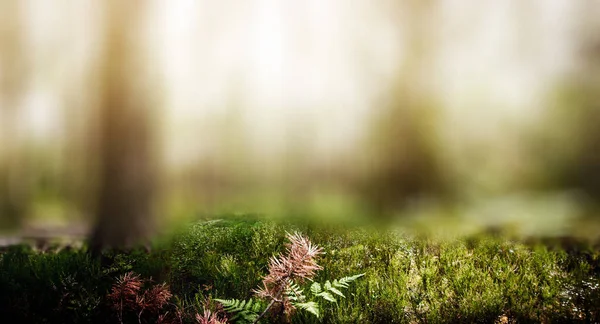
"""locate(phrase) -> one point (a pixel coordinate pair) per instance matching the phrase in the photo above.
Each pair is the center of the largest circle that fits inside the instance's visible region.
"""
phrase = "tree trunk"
(124, 210)
(14, 176)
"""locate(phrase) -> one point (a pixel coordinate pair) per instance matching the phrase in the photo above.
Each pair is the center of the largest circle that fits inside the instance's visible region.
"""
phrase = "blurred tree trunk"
(584, 103)
(14, 179)
(127, 170)
(568, 152)
(402, 152)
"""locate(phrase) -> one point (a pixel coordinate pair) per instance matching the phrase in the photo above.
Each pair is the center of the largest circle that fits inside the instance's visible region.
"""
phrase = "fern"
(329, 289)
(281, 284)
(311, 307)
(343, 283)
(315, 288)
(294, 293)
(242, 311)
(326, 291)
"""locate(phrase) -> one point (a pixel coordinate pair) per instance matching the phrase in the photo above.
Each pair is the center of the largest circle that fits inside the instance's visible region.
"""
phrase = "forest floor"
(408, 278)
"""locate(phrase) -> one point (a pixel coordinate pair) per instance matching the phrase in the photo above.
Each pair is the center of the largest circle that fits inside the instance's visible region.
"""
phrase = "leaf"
(310, 307)
(256, 308)
(295, 293)
(327, 296)
(315, 288)
(242, 311)
(337, 292)
(327, 285)
(343, 283)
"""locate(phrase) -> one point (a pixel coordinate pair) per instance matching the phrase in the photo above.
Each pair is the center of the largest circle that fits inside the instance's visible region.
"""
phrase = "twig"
(273, 300)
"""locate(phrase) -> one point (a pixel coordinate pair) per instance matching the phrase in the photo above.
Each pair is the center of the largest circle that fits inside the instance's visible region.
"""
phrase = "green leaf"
(343, 283)
(256, 308)
(327, 296)
(337, 292)
(327, 285)
(315, 288)
(310, 307)
(242, 311)
(295, 293)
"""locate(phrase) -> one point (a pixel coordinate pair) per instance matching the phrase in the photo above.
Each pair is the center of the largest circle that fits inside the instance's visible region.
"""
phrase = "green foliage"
(406, 279)
(311, 307)
(344, 282)
(328, 290)
(223, 254)
(242, 311)
(298, 258)
(50, 287)
(294, 293)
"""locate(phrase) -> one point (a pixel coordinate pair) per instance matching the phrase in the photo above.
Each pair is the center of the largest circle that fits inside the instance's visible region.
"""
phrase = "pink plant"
(127, 294)
(297, 263)
(124, 293)
(209, 318)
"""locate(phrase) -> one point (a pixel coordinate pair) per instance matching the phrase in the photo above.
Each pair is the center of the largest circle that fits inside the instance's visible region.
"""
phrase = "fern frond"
(315, 288)
(328, 289)
(343, 282)
(242, 311)
(337, 292)
(327, 296)
(310, 307)
(295, 293)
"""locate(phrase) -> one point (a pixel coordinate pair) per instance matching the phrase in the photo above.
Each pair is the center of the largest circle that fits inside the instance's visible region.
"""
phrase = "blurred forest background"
(127, 115)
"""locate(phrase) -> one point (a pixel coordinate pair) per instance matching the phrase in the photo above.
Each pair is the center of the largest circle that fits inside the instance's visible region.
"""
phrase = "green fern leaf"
(257, 307)
(229, 303)
(295, 293)
(310, 307)
(315, 288)
(343, 283)
(242, 311)
(337, 292)
(327, 296)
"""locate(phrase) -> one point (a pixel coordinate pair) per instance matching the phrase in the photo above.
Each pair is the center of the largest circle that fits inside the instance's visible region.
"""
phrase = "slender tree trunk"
(14, 178)
(124, 210)
(402, 160)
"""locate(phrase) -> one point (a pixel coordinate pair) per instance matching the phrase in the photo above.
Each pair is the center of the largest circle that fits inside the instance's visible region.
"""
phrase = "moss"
(407, 279)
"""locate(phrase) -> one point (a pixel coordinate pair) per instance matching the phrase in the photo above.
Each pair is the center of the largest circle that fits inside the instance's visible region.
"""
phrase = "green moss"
(407, 279)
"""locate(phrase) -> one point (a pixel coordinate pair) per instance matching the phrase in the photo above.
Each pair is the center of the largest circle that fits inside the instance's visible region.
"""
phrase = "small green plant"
(327, 291)
(244, 311)
(281, 286)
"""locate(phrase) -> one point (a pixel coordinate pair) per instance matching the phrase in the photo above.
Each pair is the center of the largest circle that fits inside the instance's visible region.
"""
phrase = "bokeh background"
(124, 116)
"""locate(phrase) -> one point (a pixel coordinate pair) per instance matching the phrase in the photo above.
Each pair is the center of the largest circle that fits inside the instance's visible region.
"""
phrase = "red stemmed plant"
(295, 265)
(126, 294)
